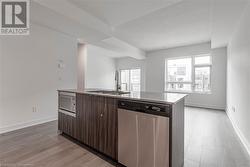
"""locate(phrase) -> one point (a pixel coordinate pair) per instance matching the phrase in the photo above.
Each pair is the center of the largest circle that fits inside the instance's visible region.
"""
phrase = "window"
(188, 74)
(202, 79)
(202, 71)
(202, 60)
(131, 80)
(179, 74)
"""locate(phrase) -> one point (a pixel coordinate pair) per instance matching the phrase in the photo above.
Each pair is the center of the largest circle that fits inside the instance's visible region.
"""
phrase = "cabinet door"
(67, 124)
(80, 118)
(86, 120)
(94, 117)
(97, 123)
(108, 131)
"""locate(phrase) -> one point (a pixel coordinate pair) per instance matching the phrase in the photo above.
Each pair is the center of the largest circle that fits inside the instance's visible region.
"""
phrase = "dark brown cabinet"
(67, 124)
(108, 124)
(85, 120)
(97, 123)
(94, 122)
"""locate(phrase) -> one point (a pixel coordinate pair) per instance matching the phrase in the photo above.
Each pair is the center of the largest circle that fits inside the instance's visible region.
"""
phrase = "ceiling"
(181, 24)
(118, 12)
(133, 27)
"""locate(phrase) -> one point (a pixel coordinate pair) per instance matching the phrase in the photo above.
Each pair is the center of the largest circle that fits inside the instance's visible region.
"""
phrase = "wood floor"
(209, 142)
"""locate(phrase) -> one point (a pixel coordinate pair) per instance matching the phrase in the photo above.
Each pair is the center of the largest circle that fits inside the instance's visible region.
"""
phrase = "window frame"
(129, 69)
(202, 65)
(193, 67)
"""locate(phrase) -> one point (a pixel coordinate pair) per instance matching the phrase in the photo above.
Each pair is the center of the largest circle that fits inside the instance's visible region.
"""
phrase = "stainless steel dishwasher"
(143, 134)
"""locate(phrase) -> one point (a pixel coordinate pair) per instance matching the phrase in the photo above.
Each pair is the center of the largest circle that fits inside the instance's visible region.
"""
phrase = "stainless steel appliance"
(143, 134)
(67, 103)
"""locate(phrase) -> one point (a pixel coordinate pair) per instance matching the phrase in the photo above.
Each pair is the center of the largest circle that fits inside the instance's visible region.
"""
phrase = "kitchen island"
(135, 129)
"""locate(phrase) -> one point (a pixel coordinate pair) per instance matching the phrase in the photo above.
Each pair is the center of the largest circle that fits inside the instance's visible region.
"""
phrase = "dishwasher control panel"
(146, 107)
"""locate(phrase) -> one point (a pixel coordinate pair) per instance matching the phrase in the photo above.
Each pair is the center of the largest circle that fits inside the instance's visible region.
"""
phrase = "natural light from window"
(190, 74)
(202, 60)
(130, 79)
(179, 74)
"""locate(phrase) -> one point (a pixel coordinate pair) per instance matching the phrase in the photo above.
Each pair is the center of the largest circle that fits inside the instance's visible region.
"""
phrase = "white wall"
(129, 63)
(81, 65)
(100, 69)
(217, 99)
(155, 71)
(156, 63)
(31, 77)
(238, 82)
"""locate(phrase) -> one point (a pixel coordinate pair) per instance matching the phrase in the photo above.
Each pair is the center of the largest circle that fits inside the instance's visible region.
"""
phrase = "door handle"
(67, 113)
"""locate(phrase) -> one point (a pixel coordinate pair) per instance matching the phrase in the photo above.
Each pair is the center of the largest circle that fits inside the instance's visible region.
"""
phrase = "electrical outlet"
(34, 109)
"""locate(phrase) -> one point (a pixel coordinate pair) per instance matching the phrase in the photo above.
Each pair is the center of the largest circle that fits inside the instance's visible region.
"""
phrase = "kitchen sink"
(109, 92)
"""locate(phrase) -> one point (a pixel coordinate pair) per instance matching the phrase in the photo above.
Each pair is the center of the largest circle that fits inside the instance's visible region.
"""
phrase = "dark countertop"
(167, 98)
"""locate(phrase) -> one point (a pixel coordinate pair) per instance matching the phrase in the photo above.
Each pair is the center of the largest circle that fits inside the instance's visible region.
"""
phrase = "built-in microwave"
(67, 102)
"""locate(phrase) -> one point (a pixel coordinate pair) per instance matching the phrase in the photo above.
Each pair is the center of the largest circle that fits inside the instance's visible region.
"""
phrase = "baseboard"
(25, 124)
(242, 138)
(205, 106)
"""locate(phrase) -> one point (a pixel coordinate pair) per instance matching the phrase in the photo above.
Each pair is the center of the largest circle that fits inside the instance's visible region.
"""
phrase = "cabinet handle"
(101, 115)
(67, 113)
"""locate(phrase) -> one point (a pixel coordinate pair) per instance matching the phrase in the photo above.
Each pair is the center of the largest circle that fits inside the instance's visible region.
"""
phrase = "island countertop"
(167, 98)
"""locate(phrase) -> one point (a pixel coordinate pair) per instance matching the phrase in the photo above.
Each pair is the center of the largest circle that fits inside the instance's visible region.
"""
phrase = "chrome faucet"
(117, 85)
